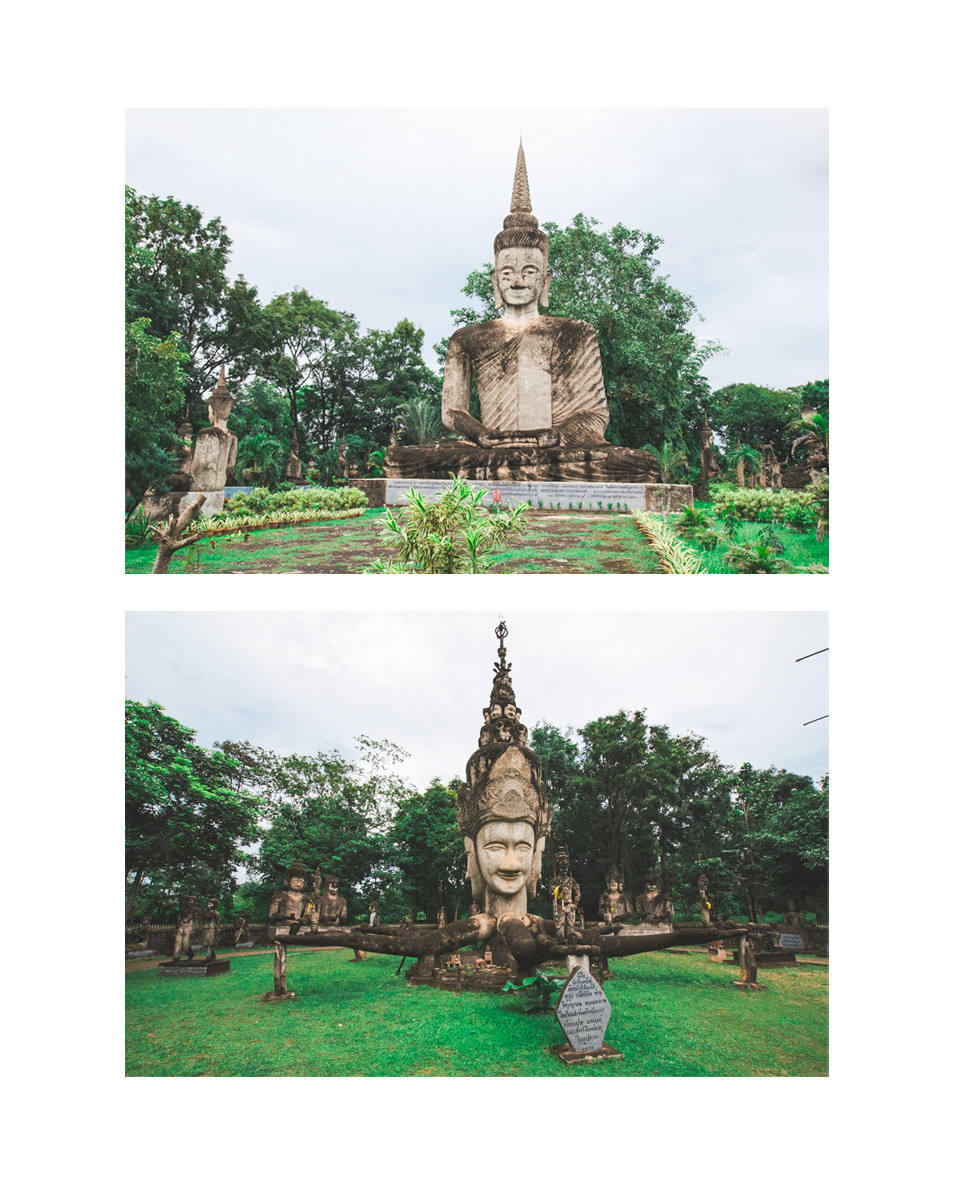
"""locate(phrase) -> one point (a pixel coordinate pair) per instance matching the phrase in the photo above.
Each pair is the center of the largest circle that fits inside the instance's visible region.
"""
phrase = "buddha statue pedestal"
(598, 463)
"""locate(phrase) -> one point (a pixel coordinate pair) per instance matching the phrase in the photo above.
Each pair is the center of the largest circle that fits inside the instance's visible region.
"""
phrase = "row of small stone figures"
(294, 910)
(653, 906)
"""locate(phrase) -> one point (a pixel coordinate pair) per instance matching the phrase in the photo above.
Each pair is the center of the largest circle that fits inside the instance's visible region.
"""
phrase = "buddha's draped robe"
(541, 374)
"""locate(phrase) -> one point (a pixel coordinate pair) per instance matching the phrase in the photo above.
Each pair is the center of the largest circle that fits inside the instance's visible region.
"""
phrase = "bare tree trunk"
(171, 539)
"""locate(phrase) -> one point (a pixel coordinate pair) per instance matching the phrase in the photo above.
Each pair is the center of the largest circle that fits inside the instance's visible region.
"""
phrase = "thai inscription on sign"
(606, 497)
(791, 941)
(583, 1012)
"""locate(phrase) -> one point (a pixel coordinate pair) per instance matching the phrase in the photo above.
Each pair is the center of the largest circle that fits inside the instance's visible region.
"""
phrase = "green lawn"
(674, 1015)
(552, 543)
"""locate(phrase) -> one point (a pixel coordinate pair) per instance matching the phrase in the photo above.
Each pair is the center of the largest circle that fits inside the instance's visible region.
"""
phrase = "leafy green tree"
(777, 851)
(789, 838)
(750, 413)
(300, 335)
(815, 394)
(448, 535)
(559, 759)
(155, 386)
(396, 375)
(652, 363)
(176, 276)
(426, 855)
(328, 810)
(361, 383)
(186, 807)
(262, 422)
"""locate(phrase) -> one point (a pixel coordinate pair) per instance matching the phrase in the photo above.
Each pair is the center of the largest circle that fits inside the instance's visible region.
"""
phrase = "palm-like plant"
(449, 535)
(670, 458)
(262, 452)
(419, 422)
(744, 456)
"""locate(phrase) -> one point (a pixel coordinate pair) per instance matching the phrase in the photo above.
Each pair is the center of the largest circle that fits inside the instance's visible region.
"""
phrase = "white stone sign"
(791, 941)
(595, 497)
(583, 1012)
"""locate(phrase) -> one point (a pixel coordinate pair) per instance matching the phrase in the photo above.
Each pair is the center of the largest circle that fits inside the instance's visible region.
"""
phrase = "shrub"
(758, 504)
(800, 516)
(691, 522)
(297, 499)
(757, 557)
(448, 535)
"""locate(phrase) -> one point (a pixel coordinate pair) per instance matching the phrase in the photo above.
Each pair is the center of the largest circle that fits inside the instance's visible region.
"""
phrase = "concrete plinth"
(541, 496)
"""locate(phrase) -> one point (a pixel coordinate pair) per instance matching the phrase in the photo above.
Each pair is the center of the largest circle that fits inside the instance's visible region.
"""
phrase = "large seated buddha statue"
(539, 381)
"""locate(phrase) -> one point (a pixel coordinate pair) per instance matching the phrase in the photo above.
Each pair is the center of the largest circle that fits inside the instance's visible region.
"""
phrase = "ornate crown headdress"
(505, 781)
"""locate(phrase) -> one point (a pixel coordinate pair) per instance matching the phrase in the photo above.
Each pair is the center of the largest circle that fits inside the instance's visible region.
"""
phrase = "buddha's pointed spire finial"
(521, 228)
(220, 383)
(520, 201)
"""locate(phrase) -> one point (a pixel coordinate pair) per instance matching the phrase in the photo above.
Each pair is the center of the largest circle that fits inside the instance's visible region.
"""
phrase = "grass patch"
(553, 543)
(673, 1016)
(801, 549)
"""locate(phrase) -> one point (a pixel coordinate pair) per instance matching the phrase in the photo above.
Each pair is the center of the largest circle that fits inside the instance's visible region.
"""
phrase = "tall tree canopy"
(652, 363)
(185, 806)
(327, 810)
(176, 276)
(755, 416)
(155, 389)
(427, 856)
(644, 799)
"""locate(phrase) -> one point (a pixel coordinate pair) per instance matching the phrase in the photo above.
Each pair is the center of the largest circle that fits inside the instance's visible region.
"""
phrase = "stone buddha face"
(521, 278)
(504, 852)
(296, 883)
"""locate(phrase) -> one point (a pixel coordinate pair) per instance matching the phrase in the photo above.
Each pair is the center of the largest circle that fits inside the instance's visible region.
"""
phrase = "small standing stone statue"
(141, 933)
(441, 917)
(210, 928)
(240, 929)
(565, 893)
(705, 905)
(709, 468)
(188, 920)
(373, 910)
(748, 964)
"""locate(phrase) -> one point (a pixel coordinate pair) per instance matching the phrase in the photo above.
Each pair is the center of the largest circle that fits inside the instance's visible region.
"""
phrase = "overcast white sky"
(384, 212)
(301, 682)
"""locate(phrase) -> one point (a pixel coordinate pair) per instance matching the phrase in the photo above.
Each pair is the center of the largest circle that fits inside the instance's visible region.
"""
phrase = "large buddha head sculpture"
(503, 813)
